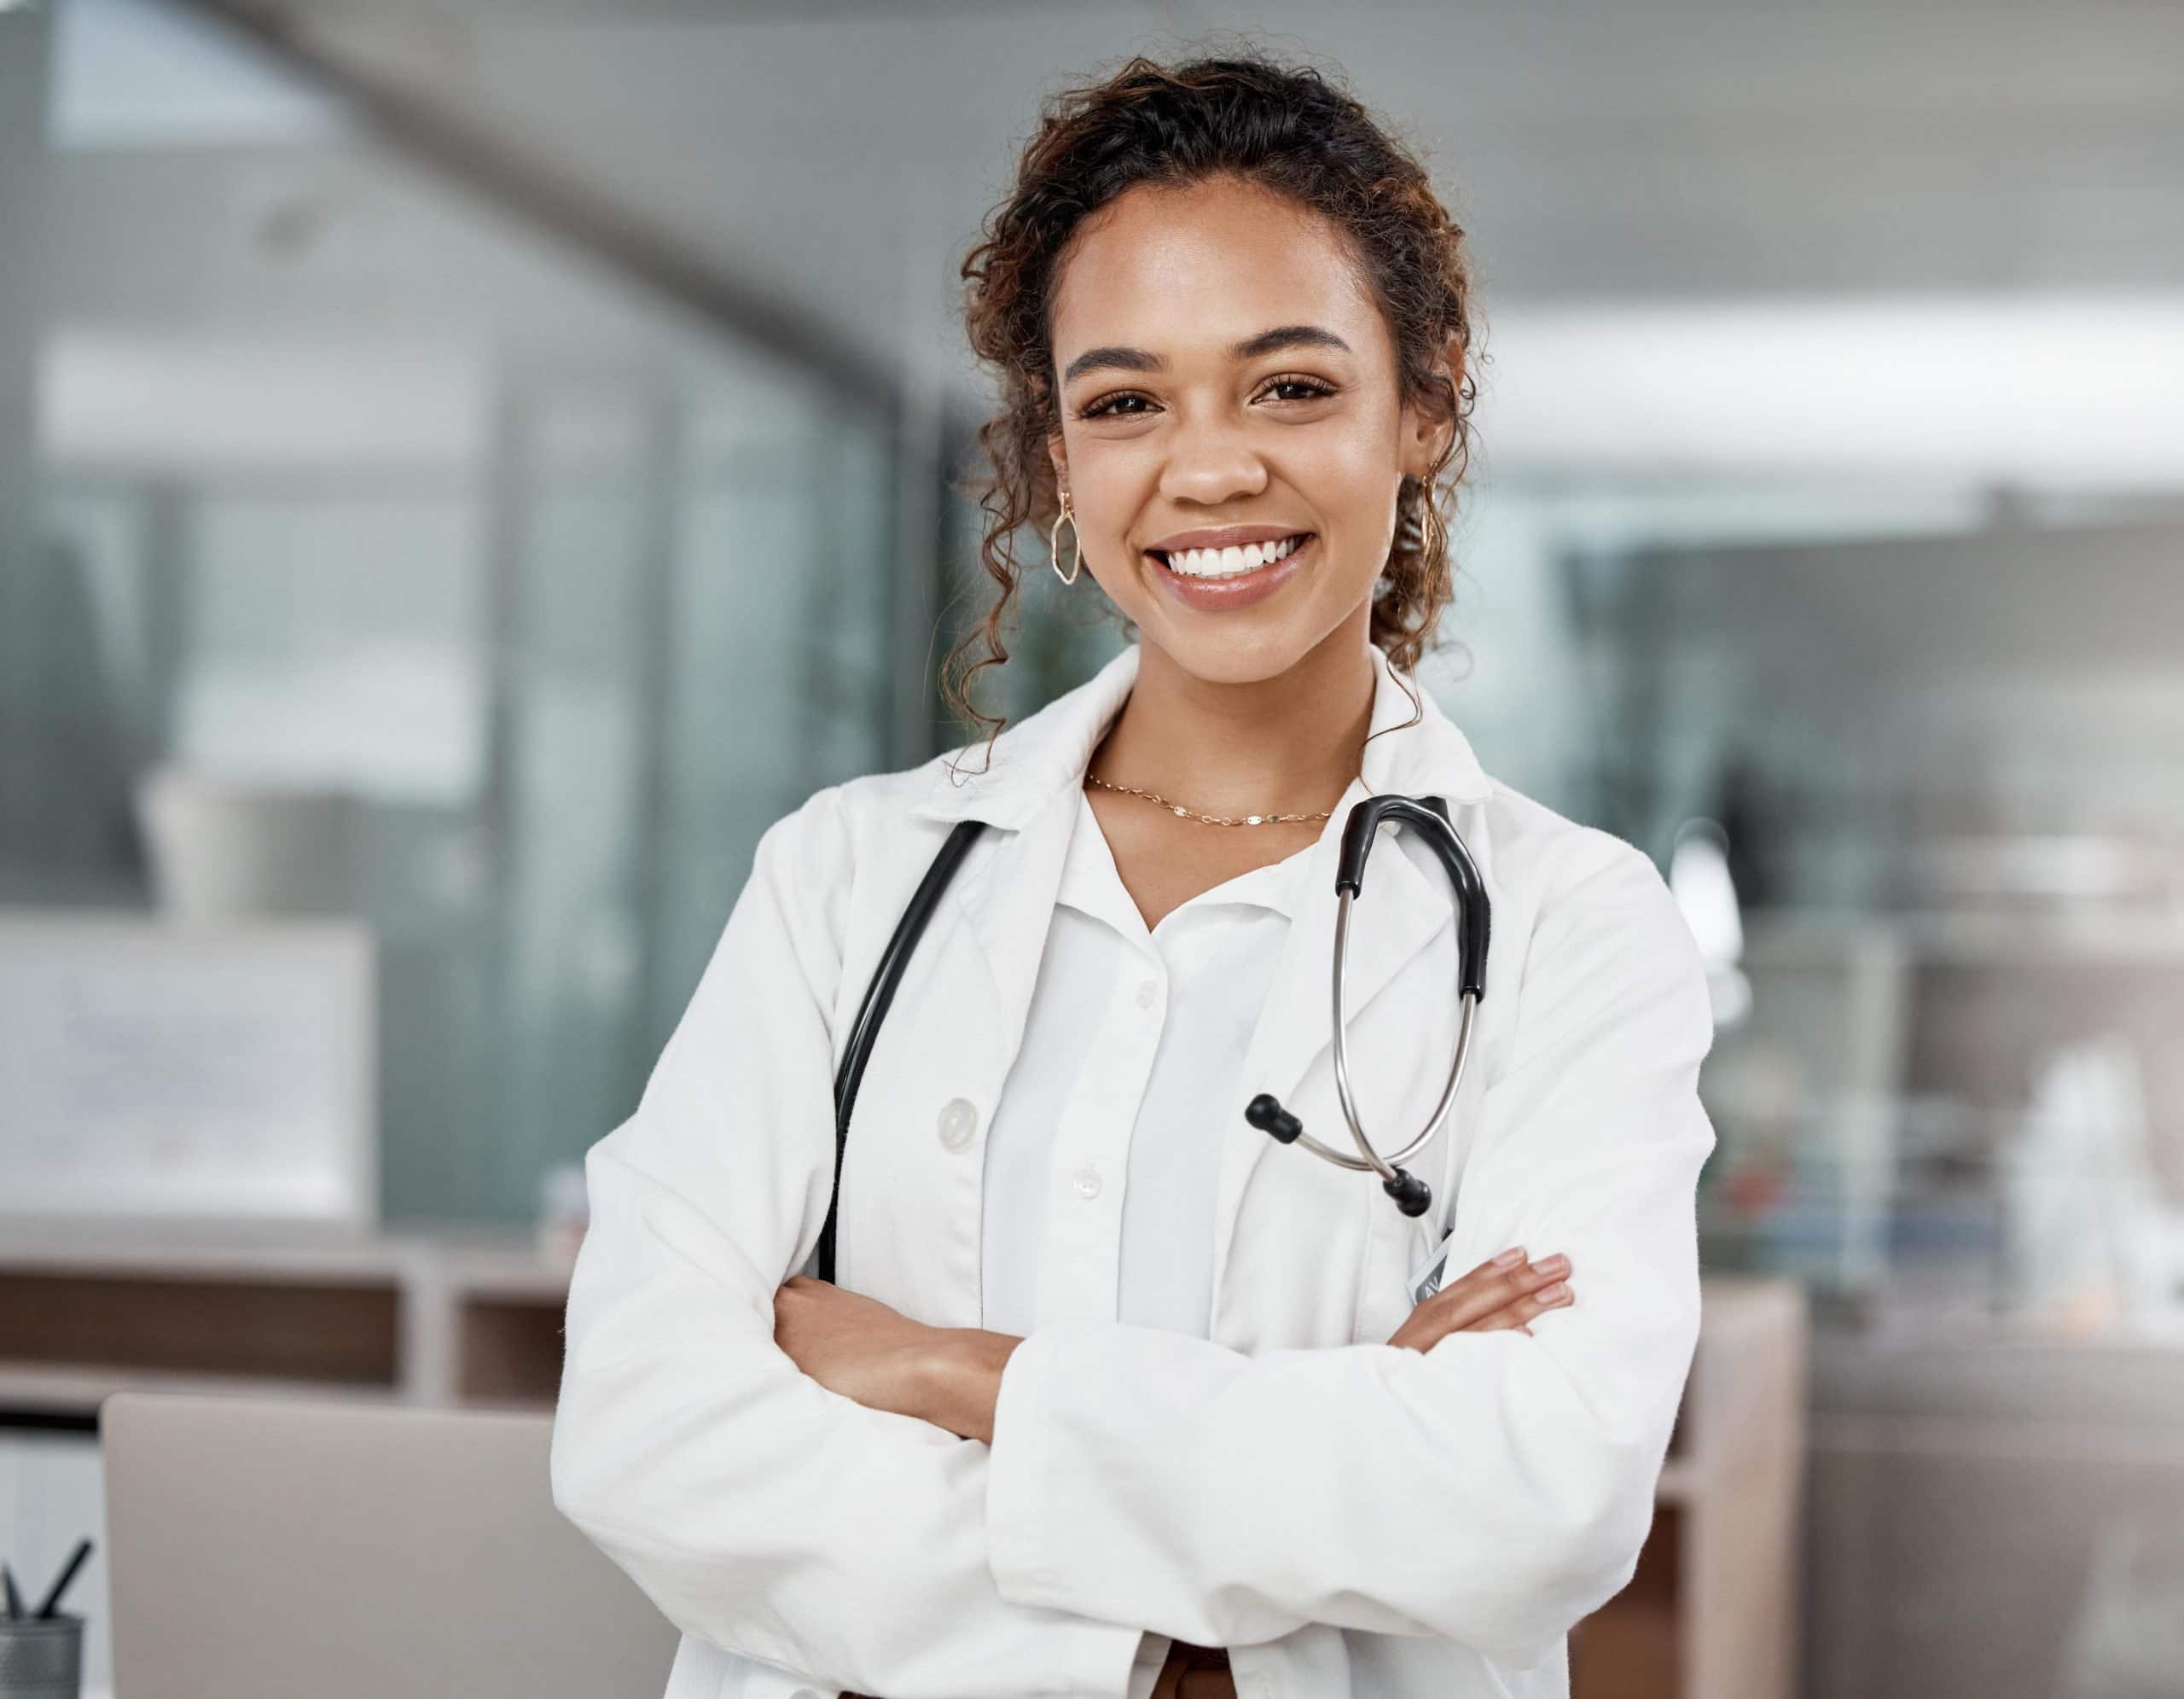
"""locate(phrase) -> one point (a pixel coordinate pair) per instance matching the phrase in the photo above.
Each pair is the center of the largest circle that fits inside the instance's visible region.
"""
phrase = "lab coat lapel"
(1008, 906)
(1026, 789)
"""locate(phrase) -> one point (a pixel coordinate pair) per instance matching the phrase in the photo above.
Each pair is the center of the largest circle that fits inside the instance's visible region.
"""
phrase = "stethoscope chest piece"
(1429, 815)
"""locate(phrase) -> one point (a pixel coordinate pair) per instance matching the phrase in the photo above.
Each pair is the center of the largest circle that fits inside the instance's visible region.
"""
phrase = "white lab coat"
(1347, 1516)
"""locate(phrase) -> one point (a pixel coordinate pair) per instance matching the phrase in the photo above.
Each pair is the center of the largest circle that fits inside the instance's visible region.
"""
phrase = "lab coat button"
(959, 1119)
(1087, 1183)
(1148, 990)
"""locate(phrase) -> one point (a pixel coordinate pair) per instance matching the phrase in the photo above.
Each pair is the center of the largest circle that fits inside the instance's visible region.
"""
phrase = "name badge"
(1425, 1279)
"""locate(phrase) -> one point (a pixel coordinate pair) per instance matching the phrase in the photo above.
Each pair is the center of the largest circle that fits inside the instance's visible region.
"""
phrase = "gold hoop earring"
(1076, 548)
(1422, 525)
(1433, 530)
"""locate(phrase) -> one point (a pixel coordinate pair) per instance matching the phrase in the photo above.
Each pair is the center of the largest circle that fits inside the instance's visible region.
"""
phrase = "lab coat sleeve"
(1494, 1489)
(757, 1509)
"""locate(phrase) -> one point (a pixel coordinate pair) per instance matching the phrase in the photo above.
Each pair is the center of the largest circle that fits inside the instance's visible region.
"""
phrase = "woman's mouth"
(1221, 578)
(1228, 563)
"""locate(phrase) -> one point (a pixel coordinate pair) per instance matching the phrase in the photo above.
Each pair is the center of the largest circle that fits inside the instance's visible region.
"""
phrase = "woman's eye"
(1313, 387)
(1107, 404)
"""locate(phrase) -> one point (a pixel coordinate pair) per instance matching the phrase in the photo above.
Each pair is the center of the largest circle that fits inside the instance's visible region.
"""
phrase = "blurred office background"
(467, 468)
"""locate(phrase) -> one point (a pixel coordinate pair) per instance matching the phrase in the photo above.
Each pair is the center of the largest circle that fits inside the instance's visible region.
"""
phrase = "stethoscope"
(1474, 915)
(1427, 815)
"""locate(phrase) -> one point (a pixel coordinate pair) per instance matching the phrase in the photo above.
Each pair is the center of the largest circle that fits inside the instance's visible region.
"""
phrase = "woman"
(1115, 1396)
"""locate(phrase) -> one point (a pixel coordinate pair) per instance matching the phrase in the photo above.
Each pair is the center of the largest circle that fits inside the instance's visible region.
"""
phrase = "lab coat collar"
(1050, 750)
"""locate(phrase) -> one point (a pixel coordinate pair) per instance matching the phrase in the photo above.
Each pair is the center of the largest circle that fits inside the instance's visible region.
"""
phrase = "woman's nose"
(1208, 464)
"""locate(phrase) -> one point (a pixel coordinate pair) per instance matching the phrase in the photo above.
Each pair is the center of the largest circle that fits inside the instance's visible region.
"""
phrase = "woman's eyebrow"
(1265, 342)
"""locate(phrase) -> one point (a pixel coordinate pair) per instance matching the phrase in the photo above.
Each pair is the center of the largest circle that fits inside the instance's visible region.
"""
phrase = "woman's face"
(1223, 369)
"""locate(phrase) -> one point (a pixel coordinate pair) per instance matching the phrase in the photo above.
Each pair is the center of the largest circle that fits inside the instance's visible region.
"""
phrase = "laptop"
(259, 1547)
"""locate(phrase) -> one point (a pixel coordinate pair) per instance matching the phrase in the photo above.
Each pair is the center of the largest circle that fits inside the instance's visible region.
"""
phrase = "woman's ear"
(1425, 439)
(1060, 459)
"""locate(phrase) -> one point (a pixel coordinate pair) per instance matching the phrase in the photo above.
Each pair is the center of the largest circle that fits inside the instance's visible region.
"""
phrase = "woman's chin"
(1232, 656)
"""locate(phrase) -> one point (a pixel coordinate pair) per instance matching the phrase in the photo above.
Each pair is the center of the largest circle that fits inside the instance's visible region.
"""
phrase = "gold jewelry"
(1209, 819)
(1076, 547)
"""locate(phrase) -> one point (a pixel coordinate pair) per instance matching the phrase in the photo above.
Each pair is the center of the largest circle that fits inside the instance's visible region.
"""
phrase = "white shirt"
(1104, 1150)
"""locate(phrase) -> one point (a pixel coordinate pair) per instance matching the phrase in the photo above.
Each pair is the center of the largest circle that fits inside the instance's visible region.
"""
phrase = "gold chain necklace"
(1209, 819)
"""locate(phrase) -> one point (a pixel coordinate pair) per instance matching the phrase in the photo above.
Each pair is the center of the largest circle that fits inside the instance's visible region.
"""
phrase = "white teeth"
(1219, 564)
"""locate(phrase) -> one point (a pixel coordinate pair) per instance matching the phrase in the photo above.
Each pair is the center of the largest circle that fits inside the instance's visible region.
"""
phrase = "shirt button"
(959, 1119)
(1148, 990)
(1087, 1183)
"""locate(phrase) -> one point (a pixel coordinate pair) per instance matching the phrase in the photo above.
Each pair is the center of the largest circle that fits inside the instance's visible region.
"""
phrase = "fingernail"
(1557, 1263)
(1553, 1295)
(1510, 1258)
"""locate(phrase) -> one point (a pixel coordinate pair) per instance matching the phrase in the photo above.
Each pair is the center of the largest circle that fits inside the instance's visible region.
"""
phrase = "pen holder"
(42, 1657)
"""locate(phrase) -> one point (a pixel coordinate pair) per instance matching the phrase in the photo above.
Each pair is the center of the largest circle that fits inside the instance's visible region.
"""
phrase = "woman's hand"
(854, 1344)
(1509, 1292)
(857, 1346)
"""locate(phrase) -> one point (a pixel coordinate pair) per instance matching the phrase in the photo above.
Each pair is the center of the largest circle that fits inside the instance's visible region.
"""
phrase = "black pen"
(14, 1598)
(75, 1562)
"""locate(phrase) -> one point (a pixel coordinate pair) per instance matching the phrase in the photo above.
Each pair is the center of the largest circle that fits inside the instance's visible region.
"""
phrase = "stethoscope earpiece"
(1412, 1194)
(1265, 1113)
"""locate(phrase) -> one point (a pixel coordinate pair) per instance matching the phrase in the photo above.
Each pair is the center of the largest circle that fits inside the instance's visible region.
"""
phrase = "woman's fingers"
(1496, 1295)
(1490, 1288)
(1523, 1311)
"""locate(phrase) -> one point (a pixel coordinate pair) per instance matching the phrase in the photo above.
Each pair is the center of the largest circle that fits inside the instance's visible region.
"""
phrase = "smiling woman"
(1223, 284)
(1111, 1393)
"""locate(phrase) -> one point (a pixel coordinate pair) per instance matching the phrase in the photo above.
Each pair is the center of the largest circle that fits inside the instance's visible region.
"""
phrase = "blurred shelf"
(459, 1316)
(1971, 939)
(256, 1249)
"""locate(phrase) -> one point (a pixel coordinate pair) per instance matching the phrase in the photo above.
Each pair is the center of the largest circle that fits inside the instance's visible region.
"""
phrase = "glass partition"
(339, 483)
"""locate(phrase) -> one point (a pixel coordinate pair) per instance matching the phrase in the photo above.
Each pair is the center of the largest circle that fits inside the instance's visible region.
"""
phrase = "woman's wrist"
(961, 1383)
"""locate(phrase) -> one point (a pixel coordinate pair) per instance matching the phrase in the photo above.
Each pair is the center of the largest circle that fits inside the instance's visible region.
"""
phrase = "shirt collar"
(1091, 882)
(1049, 750)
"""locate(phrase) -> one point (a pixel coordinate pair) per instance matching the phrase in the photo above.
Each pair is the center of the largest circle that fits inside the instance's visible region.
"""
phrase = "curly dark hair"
(1290, 129)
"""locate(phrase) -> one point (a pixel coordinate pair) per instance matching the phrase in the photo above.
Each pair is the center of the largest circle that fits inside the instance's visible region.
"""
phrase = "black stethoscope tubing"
(872, 1010)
